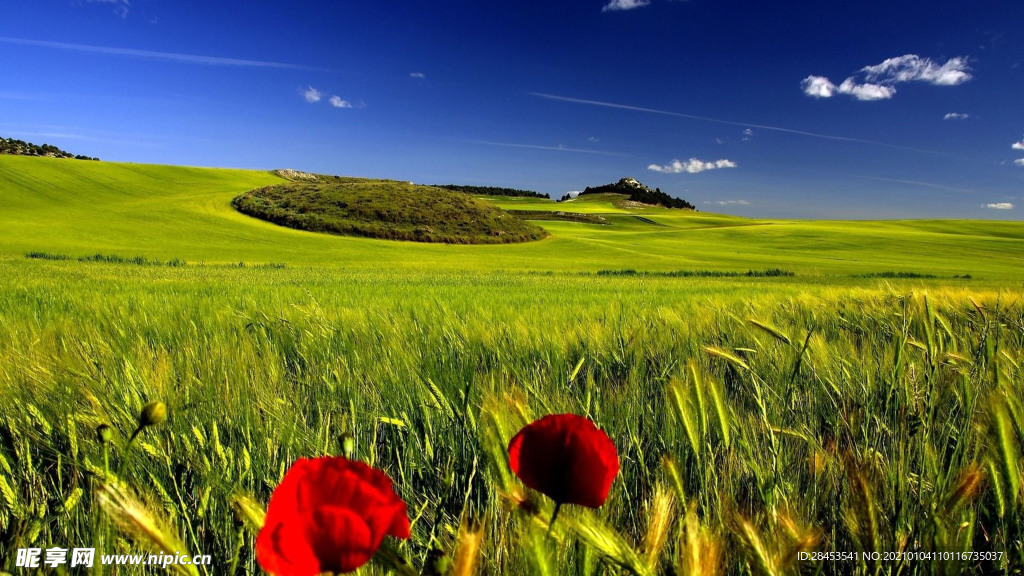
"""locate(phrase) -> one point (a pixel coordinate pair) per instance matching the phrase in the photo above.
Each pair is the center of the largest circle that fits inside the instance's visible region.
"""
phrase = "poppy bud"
(348, 445)
(104, 433)
(152, 414)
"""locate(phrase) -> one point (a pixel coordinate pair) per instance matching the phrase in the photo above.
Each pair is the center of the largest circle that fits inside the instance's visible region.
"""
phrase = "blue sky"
(777, 109)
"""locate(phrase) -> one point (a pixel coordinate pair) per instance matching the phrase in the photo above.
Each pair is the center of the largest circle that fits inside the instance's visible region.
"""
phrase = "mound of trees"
(22, 148)
(637, 192)
(386, 209)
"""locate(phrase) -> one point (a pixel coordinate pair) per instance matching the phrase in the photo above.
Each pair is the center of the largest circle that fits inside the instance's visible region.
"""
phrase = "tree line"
(493, 191)
(22, 148)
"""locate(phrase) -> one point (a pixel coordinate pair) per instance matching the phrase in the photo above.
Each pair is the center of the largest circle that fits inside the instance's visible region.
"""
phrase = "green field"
(161, 212)
(755, 417)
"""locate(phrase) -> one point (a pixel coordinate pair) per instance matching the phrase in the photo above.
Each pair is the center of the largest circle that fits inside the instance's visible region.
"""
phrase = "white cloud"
(748, 134)
(573, 193)
(999, 206)
(312, 95)
(822, 87)
(1019, 162)
(878, 82)
(692, 166)
(624, 5)
(1018, 145)
(866, 91)
(728, 202)
(818, 87)
(417, 75)
(956, 116)
(337, 102)
(913, 68)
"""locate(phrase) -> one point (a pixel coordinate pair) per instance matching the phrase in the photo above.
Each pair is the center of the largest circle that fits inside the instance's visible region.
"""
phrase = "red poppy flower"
(328, 515)
(566, 457)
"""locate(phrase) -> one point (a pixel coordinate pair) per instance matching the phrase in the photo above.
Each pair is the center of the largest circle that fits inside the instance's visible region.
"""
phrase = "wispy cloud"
(691, 166)
(913, 68)
(25, 96)
(419, 75)
(731, 122)
(1019, 162)
(555, 148)
(40, 133)
(312, 95)
(616, 5)
(956, 116)
(61, 135)
(337, 102)
(999, 206)
(120, 6)
(917, 183)
(151, 55)
(878, 82)
(728, 202)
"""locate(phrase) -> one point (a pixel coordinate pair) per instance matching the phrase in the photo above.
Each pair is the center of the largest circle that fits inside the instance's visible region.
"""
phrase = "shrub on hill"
(494, 191)
(637, 192)
(385, 209)
(22, 148)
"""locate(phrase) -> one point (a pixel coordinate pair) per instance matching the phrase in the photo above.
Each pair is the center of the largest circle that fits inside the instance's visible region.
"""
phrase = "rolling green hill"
(167, 212)
(385, 209)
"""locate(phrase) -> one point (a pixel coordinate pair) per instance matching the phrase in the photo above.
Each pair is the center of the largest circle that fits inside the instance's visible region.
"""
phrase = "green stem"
(101, 524)
(238, 550)
(554, 516)
(127, 451)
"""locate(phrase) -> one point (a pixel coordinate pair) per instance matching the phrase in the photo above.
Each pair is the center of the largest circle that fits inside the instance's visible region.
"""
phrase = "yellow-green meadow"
(776, 390)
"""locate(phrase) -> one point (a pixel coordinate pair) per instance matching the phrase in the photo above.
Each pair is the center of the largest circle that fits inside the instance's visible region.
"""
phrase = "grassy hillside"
(165, 212)
(385, 209)
(754, 417)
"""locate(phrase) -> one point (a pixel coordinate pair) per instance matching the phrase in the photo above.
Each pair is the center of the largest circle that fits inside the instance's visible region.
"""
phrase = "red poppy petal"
(342, 540)
(542, 457)
(286, 496)
(283, 550)
(566, 457)
(514, 449)
(388, 512)
(329, 514)
(388, 519)
(400, 523)
(593, 468)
